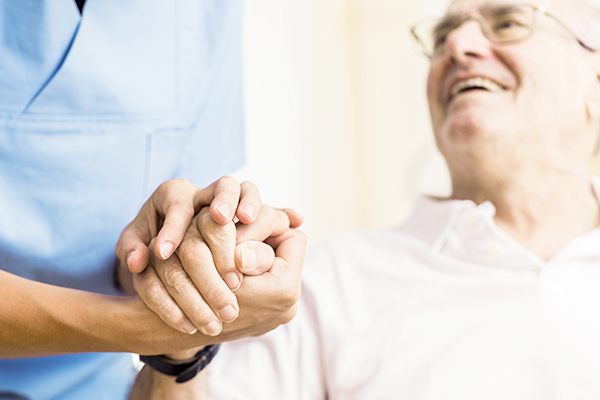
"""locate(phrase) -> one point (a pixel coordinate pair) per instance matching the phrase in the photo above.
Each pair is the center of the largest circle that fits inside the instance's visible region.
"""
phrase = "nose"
(467, 42)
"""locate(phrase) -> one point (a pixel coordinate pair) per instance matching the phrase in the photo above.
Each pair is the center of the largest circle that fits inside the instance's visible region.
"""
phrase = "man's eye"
(440, 35)
(439, 41)
(508, 23)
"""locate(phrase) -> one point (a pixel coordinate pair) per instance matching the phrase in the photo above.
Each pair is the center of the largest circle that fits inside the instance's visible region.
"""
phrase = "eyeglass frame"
(482, 24)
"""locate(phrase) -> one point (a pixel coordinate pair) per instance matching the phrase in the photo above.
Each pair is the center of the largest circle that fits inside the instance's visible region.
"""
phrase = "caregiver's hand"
(169, 211)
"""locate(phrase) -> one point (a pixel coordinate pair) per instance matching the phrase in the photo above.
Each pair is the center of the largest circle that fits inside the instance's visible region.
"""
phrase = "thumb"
(132, 249)
(254, 258)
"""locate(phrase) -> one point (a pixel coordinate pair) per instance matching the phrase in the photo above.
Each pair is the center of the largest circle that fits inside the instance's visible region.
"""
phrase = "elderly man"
(490, 294)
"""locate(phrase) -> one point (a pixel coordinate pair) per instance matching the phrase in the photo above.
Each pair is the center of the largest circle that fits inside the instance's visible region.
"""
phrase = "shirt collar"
(464, 230)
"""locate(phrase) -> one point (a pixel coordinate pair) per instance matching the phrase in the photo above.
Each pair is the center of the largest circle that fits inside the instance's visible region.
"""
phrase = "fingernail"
(165, 250)
(128, 260)
(232, 281)
(212, 328)
(249, 210)
(228, 314)
(188, 327)
(225, 210)
(248, 259)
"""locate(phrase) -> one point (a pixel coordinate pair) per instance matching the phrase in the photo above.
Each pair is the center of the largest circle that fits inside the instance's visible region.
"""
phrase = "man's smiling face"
(506, 99)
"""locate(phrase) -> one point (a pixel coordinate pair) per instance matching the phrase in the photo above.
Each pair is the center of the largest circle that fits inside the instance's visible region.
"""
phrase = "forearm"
(152, 385)
(37, 319)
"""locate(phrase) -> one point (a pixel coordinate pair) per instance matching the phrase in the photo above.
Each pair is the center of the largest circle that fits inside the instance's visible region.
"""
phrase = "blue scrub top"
(95, 112)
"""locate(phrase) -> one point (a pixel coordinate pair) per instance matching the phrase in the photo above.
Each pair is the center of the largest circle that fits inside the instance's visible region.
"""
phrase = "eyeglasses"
(500, 24)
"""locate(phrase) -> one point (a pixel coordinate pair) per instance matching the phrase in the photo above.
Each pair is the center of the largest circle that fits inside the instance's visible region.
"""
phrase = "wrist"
(185, 355)
(184, 370)
(145, 333)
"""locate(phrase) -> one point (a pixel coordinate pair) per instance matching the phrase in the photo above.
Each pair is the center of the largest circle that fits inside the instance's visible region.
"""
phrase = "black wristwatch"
(184, 370)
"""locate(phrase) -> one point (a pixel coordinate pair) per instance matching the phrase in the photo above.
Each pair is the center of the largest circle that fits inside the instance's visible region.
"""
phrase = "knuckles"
(220, 296)
(191, 252)
(228, 186)
(184, 207)
(289, 298)
(227, 181)
(173, 184)
(289, 314)
(205, 236)
(153, 294)
(215, 233)
(201, 316)
(249, 185)
(172, 316)
(298, 236)
(177, 279)
(269, 213)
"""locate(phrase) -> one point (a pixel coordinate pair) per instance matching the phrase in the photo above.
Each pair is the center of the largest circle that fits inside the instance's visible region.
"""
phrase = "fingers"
(296, 219)
(179, 201)
(223, 196)
(221, 242)
(172, 203)
(289, 246)
(132, 248)
(250, 203)
(254, 258)
(178, 216)
(170, 209)
(185, 295)
(175, 206)
(270, 222)
(289, 252)
(270, 299)
(287, 266)
(154, 294)
(227, 198)
(198, 260)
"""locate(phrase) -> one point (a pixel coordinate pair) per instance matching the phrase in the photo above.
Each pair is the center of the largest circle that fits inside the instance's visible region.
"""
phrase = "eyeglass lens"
(499, 24)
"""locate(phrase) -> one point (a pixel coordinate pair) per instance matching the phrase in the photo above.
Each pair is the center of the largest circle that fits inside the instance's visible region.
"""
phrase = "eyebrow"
(498, 9)
(448, 21)
(487, 8)
(452, 19)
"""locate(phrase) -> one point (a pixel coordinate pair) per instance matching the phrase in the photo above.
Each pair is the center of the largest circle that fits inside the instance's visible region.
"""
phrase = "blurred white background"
(337, 124)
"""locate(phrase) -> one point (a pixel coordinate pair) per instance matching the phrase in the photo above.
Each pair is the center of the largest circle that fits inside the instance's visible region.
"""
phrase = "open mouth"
(478, 83)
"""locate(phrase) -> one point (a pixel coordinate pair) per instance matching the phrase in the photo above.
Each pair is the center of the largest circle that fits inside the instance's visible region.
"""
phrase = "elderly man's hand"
(193, 288)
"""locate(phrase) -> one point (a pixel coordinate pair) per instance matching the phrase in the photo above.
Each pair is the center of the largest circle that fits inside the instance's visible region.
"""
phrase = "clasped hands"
(214, 260)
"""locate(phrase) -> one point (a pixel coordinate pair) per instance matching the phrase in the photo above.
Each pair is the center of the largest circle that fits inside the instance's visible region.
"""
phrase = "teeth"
(478, 82)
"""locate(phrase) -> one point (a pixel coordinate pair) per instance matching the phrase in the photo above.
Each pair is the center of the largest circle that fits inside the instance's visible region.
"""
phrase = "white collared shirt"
(446, 307)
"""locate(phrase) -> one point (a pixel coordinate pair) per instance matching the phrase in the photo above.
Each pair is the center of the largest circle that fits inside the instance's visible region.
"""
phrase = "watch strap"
(184, 370)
